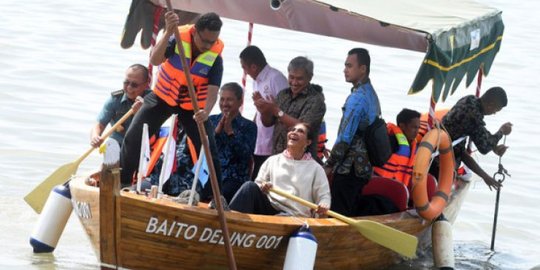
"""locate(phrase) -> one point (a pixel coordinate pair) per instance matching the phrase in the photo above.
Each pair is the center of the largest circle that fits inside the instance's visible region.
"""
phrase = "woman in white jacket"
(294, 171)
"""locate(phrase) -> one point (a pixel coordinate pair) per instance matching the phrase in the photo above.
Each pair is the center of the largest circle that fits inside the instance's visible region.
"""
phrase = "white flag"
(144, 157)
(169, 154)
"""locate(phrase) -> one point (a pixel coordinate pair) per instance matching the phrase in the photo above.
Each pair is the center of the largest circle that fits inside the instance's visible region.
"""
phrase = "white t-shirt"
(269, 82)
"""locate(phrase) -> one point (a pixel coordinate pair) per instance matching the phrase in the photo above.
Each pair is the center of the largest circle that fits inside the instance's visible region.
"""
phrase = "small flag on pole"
(144, 157)
(169, 155)
(203, 171)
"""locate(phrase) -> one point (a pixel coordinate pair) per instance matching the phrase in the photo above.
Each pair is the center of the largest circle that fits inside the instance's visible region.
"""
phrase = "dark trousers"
(345, 191)
(250, 199)
(154, 112)
(257, 162)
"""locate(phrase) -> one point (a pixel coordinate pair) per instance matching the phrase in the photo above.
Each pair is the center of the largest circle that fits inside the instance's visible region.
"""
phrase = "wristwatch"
(280, 114)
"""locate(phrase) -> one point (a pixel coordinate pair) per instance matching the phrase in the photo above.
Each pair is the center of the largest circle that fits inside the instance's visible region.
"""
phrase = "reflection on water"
(59, 61)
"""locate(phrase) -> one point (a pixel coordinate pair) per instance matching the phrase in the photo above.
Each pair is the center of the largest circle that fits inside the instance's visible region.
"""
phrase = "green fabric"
(449, 58)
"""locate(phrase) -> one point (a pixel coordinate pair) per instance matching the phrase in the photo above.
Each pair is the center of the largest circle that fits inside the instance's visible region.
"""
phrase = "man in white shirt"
(267, 82)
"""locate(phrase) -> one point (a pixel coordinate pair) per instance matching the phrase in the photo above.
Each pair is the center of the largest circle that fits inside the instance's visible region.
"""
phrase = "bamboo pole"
(206, 145)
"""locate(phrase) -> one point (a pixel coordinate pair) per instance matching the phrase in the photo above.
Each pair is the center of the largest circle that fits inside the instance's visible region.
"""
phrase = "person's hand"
(322, 209)
(500, 149)
(227, 123)
(200, 117)
(266, 106)
(492, 183)
(506, 128)
(171, 21)
(256, 96)
(96, 141)
(265, 187)
(137, 104)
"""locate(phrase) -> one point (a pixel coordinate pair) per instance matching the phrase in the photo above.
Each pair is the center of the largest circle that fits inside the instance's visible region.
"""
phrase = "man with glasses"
(119, 103)
(170, 94)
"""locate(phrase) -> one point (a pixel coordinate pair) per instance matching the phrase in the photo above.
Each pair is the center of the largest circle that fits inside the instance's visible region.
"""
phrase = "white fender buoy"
(443, 244)
(301, 250)
(52, 220)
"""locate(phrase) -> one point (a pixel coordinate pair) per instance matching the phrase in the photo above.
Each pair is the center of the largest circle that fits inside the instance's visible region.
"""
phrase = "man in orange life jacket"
(403, 140)
(170, 94)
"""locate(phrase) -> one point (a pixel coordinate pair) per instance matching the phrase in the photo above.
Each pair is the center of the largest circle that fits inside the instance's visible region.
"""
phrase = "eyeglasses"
(132, 84)
(205, 41)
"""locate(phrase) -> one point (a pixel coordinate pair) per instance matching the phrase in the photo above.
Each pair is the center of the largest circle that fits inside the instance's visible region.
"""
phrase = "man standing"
(300, 102)
(170, 94)
(267, 81)
(235, 139)
(119, 103)
(466, 118)
(403, 140)
(348, 159)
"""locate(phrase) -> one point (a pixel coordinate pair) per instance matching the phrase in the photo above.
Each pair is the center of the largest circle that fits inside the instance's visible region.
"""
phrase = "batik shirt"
(360, 110)
(235, 151)
(466, 118)
(308, 106)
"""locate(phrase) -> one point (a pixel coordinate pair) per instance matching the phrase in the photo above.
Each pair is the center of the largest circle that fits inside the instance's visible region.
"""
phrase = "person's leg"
(257, 162)
(345, 191)
(190, 126)
(250, 199)
(229, 187)
(153, 112)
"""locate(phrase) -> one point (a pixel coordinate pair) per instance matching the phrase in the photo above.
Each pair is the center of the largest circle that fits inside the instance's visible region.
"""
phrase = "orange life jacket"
(400, 164)
(171, 85)
(439, 114)
(321, 141)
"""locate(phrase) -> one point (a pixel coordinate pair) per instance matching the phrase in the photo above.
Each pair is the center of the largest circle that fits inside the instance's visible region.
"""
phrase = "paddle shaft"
(106, 135)
(206, 145)
(398, 241)
(38, 196)
(311, 205)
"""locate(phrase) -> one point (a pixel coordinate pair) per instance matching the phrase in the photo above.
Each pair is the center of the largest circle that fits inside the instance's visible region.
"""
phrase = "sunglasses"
(132, 84)
(205, 41)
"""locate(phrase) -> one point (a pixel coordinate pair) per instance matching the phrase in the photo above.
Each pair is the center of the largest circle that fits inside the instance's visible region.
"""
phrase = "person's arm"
(266, 108)
(103, 119)
(321, 191)
(471, 163)
(95, 135)
(157, 55)
(352, 116)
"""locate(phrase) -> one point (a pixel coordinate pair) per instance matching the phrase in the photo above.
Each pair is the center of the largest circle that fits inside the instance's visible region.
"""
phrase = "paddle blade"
(38, 196)
(398, 241)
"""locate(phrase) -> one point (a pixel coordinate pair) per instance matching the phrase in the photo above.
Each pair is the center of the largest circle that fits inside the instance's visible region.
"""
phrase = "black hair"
(496, 94)
(210, 21)
(142, 68)
(253, 55)
(363, 58)
(237, 90)
(406, 115)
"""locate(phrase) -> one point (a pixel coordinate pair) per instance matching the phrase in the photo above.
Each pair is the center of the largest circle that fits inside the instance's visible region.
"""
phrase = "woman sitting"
(294, 171)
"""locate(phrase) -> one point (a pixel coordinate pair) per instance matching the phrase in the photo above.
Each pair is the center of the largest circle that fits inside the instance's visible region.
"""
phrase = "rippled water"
(59, 60)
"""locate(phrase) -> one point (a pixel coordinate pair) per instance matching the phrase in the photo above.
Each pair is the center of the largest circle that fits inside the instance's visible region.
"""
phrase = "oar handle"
(106, 134)
(311, 205)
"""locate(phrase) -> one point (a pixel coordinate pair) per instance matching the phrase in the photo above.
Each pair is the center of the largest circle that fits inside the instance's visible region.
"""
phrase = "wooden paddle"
(398, 241)
(38, 196)
(206, 146)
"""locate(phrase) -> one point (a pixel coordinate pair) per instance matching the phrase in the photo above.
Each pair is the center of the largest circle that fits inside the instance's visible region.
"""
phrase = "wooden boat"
(137, 232)
(132, 231)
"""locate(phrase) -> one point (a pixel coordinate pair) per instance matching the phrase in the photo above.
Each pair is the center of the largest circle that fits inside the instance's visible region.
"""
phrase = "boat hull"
(145, 233)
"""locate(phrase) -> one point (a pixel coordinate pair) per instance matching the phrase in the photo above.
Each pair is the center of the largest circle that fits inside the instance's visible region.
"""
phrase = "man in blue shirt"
(119, 103)
(235, 139)
(348, 159)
